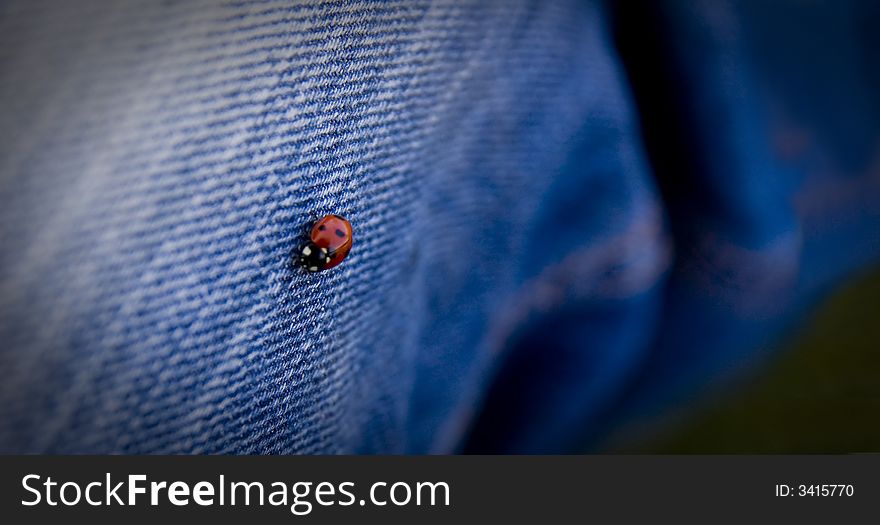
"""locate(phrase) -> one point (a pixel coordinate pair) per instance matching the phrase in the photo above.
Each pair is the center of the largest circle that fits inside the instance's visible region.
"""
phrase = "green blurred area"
(821, 396)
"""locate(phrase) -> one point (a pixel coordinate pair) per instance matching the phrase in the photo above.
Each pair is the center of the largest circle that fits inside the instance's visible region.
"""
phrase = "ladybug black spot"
(322, 227)
(340, 233)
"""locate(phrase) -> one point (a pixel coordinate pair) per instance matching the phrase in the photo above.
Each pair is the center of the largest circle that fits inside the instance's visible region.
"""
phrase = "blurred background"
(820, 395)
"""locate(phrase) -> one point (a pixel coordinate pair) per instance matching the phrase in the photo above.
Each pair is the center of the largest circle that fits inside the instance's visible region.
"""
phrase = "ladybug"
(328, 244)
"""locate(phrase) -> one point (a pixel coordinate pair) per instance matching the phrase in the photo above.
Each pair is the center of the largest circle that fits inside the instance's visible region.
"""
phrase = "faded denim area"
(560, 232)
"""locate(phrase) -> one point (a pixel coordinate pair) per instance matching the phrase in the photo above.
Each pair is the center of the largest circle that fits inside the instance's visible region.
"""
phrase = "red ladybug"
(329, 243)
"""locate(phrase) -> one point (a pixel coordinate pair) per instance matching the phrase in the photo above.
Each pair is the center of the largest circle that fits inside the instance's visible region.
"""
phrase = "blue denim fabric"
(553, 240)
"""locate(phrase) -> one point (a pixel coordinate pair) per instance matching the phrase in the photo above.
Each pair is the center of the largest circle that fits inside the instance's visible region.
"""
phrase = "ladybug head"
(313, 257)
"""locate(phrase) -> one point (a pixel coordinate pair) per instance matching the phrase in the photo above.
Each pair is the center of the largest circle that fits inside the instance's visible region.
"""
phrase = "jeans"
(560, 232)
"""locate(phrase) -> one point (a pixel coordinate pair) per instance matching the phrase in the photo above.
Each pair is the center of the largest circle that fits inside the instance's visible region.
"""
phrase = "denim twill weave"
(161, 161)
